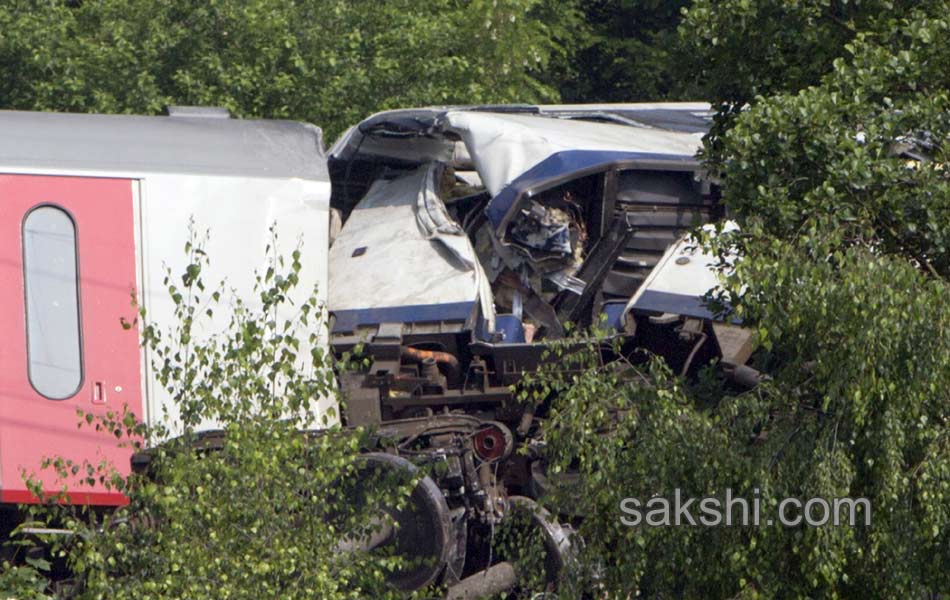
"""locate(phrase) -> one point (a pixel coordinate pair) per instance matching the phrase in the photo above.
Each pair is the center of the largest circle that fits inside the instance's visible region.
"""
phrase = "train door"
(67, 278)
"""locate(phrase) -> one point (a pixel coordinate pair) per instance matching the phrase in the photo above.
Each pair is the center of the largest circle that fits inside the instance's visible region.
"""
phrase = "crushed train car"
(470, 236)
(465, 239)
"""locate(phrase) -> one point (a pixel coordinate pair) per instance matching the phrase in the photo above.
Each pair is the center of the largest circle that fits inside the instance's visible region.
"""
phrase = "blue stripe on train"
(349, 320)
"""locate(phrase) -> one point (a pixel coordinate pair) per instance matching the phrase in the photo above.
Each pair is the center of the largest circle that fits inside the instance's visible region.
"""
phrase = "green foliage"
(628, 52)
(855, 410)
(844, 278)
(27, 582)
(739, 49)
(520, 541)
(829, 158)
(265, 507)
(331, 62)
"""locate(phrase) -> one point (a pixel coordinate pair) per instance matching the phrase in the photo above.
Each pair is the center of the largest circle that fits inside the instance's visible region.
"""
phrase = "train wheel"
(422, 532)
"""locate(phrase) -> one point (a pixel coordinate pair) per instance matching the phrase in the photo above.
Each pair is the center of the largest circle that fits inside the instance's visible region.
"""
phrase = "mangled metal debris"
(470, 238)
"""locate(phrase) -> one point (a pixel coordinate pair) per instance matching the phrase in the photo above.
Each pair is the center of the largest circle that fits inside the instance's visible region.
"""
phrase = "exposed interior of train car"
(471, 236)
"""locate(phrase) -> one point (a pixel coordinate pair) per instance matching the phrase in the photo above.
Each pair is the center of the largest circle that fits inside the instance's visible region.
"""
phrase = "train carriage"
(93, 209)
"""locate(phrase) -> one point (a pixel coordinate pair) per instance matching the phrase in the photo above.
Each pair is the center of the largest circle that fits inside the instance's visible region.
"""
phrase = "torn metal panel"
(546, 184)
(679, 282)
(505, 142)
(400, 250)
(506, 146)
(544, 214)
(436, 223)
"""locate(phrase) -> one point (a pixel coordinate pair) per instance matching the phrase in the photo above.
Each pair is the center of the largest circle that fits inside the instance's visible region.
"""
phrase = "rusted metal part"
(404, 429)
(445, 359)
(496, 579)
(493, 395)
(431, 374)
(362, 402)
(493, 442)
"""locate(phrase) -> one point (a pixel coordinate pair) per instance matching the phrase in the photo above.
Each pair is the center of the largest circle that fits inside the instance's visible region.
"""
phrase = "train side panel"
(236, 214)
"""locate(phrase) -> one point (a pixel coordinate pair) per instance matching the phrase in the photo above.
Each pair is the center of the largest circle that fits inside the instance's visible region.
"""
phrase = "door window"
(52, 302)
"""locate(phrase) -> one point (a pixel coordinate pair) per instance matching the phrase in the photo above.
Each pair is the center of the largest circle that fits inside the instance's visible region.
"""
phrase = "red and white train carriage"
(92, 210)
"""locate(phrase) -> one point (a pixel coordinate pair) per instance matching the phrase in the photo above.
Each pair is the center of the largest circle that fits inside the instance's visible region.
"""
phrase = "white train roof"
(191, 141)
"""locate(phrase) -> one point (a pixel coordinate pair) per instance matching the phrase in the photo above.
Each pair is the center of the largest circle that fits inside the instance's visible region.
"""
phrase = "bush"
(843, 198)
(261, 508)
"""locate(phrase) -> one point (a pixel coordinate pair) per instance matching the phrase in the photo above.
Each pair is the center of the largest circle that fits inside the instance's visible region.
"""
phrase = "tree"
(331, 62)
(840, 155)
(841, 191)
(627, 53)
(739, 49)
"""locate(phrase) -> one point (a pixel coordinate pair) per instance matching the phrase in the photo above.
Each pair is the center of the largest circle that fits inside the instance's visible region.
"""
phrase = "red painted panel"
(33, 427)
(93, 498)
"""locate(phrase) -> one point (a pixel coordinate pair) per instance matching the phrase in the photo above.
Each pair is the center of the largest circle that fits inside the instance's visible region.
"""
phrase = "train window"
(52, 302)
